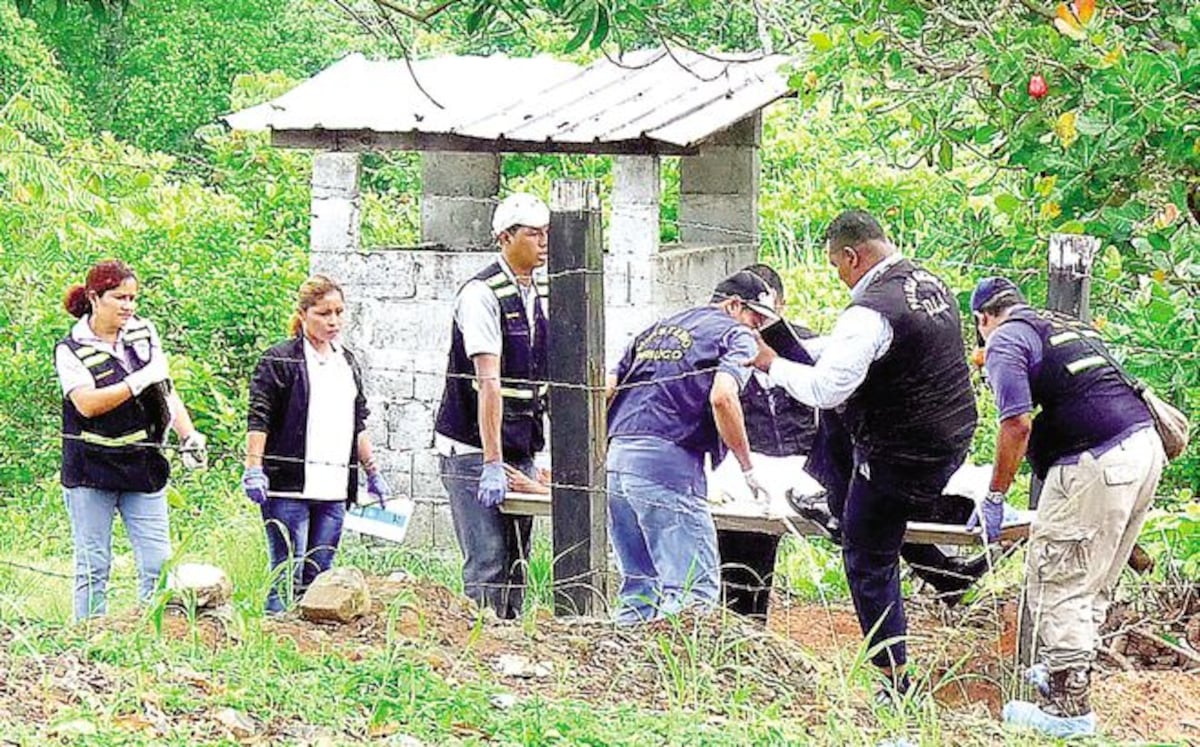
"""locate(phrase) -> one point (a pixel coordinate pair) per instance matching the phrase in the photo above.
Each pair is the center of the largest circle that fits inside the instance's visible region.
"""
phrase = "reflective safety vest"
(118, 450)
(523, 384)
(1084, 400)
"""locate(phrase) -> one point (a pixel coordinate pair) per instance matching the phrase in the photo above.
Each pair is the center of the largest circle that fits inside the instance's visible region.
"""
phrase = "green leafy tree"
(157, 71)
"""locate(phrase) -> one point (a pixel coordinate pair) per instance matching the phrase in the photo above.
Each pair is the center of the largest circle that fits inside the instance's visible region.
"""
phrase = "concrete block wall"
(718, 188)
(458, 196)
(401, 301)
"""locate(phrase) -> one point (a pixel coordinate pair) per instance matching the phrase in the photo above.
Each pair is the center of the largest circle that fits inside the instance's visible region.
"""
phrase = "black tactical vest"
(777, 424)
(522, 375)
(118, 450)
(916, 406)
(1084, 400)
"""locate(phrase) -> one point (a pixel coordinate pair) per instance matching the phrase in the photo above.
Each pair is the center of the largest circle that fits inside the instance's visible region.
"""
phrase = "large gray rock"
(200, 584)
(337, 595)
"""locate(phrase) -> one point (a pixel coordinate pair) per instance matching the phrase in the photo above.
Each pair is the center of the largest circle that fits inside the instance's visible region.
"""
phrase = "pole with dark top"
(1068, 290)
(577, 433)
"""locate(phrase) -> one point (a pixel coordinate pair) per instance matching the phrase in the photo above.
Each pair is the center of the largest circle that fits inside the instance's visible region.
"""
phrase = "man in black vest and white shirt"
(494, 403)
(895, 368)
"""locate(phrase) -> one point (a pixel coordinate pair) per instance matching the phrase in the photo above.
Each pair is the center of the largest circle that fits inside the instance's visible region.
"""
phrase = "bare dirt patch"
(971, 657)
(968, 656)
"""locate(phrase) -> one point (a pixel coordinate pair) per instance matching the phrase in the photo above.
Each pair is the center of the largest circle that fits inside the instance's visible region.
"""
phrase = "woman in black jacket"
(307, 441)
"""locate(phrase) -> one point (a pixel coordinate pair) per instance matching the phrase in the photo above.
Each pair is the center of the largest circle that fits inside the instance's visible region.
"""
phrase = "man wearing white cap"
(494, 403)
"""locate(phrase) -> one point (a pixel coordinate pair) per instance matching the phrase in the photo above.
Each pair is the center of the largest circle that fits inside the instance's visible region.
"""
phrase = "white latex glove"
(757, 491)
(193, 452)
(152, 373)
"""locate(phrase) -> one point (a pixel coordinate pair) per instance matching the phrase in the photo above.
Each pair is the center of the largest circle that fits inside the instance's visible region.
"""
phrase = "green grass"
(393, 689)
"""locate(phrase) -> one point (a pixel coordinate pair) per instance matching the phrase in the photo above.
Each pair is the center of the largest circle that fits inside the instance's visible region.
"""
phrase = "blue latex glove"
(377, 487)
(254, 484)
(993, 519)
(493, 484)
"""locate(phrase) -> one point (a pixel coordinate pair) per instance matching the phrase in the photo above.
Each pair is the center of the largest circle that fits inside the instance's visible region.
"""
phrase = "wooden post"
(1069, 291)
(1070, 284)
(578, 433)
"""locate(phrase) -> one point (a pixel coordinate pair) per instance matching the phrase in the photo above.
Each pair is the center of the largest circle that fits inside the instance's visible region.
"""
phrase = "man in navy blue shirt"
(673, 400)
(1095, 447)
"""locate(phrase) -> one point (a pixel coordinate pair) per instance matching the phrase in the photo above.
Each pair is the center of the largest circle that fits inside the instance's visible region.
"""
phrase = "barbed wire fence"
(231, 455)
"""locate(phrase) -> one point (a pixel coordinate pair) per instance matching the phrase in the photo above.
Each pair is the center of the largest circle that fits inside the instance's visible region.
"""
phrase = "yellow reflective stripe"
(1062, 337)
(497, 280)
(505, 292)
(130, 438)
(508, 391)
(140, 335)
(1084, 364)
(84, 351)
(95, 360)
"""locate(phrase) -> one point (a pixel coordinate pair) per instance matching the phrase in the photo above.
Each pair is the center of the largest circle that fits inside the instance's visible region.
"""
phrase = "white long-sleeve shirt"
(860, 337)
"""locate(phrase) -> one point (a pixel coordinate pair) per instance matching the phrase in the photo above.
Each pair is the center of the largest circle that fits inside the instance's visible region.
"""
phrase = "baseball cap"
(989, 288)
(751, 289)
(520, 209)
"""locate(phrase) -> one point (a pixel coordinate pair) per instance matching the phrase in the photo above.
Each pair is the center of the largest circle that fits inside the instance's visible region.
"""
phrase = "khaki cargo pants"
(1087, 522)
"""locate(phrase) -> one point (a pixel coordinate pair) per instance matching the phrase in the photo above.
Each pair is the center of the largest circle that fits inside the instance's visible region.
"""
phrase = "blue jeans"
(302, 537)
(495, 545)
(91, 512)
(666, 549)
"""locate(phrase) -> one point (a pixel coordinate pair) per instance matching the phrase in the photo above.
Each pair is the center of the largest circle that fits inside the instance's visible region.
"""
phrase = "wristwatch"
(995, 496)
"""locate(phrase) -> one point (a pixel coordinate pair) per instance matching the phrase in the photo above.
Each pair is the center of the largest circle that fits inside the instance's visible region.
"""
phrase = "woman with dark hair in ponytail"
(118, 405)
(306, 442)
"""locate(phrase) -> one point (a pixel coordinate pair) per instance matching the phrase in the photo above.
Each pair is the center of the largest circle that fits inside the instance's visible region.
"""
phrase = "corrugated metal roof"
(647, 99)
(393, 96)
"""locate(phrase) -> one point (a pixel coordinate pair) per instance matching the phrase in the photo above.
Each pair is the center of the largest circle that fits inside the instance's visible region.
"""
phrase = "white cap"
(520, 209)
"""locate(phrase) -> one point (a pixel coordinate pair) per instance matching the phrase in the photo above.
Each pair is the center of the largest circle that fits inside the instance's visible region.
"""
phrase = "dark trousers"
(302, 538)
(495, 545)
(831, 463)
(747, 569)
(879, 503)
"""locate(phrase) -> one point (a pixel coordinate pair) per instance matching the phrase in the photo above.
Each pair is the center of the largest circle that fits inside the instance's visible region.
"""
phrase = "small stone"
(403, 577)
(503, 701)
(514, 665)
(206, 586)
(239, 724)
(337, 595)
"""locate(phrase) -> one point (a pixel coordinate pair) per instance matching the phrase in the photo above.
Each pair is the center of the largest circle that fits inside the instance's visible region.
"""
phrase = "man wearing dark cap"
(673, 400)
(895, 368)
(1095, 448)
(777, 425)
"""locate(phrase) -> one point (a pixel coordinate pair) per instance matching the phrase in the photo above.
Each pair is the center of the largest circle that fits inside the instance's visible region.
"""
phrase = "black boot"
(816, 509)
(961, 574)
(1069, 690)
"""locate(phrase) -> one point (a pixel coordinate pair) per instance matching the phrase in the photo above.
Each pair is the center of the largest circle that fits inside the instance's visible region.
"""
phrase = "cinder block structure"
(464, 114)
